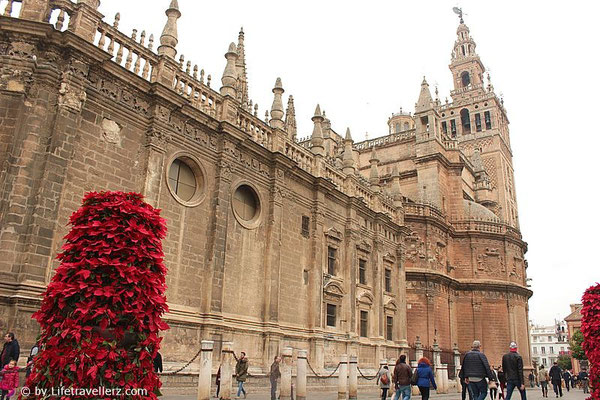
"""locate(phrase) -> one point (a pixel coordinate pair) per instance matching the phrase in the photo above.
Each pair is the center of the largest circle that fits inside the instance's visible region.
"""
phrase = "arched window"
(406, 126)
(397, 127)
(465, 78)
(465, 121)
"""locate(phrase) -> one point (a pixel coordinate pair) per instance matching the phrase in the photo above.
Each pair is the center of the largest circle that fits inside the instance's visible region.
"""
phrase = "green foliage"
(564, 362)
(576, 344)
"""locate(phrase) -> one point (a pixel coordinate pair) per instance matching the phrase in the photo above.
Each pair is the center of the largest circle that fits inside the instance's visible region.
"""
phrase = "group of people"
(403, 377)
(555, 377)
(475, 369)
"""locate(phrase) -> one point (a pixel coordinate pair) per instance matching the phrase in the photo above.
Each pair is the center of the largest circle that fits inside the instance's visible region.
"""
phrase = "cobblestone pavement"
(532, 394)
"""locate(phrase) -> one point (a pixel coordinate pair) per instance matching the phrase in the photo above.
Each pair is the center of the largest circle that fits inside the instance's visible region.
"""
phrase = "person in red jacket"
(10, 379)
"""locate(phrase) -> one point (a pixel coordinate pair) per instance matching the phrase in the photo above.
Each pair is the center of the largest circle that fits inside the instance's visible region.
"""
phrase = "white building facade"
(548, 343)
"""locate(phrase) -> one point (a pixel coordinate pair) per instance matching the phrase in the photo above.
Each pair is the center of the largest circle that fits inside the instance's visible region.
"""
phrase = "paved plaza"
(532, 394)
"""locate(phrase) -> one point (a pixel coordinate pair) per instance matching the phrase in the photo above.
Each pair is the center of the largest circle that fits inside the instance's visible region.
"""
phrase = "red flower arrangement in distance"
(590, 327)
(101, 313)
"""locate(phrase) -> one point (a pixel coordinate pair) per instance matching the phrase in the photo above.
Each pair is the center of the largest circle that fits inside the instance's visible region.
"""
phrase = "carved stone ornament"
(364, 297)
(157, 137)
(226, 170)
(333, 290)
(15, 80)
(69, 95)
(21, 49)
(334, 234)
(111, 131)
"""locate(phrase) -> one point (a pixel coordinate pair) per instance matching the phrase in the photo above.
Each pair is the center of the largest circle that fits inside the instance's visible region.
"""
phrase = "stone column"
(205, 370)
(301, 375)
(457, 367)
(418, 349)
(437, 365)
(343, 377)
(226, 371)
(444, 370)
(35, 10)
(285, 392)
(353, 388)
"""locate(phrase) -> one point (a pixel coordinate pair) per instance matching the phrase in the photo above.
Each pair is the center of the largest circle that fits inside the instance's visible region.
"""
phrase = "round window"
(182, 180)
(245, 203)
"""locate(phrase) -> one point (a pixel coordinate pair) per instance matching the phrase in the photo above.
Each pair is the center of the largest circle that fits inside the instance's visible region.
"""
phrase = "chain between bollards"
(322, 376)
(366, 377)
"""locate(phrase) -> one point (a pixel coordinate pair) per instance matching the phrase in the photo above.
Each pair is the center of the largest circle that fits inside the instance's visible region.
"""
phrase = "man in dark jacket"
(556, 379)
(512, 365)
(241, 373)
(158, 365)
(10, 350)
(274, 374)
(476, 368)
(401, 378)
(584, 378)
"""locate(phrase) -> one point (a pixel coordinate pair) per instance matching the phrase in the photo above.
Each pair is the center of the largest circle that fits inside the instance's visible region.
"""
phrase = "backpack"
(385, 379)
(414, 379)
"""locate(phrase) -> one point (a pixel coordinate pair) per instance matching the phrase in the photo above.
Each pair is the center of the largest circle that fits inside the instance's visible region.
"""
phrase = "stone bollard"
(353, 387)
(205, 375)
(445, 377)
(285, 393)
(343, 377)
(301, 375)
(226, 371)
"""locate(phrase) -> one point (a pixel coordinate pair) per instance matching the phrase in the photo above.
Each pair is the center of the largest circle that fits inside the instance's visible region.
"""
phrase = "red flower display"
(590, 327)
(101, 314)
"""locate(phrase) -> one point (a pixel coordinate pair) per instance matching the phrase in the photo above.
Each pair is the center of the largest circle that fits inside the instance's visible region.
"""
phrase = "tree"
(564, 362)
(576, 344)
(101, 314)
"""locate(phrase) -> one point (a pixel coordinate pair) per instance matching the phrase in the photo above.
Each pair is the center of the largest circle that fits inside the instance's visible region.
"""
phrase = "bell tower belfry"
(477, 119)
(467, 69)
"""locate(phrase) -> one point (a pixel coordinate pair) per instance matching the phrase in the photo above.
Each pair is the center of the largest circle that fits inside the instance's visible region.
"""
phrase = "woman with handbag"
(493, 385)
(384, 378)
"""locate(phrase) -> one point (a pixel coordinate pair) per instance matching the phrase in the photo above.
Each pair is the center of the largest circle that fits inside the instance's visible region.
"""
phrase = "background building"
(573, 321)
(548, 343)
(321, 244)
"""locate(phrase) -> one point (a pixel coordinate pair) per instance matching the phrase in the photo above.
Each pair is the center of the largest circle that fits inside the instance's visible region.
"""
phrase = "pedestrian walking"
(401, 378)
(241, 373)
(10, 379)
(32, 353)
(502, 379)
(425, 377)
(10, 350)
(493, 385)
(543, 379)
(218, 382)
(384, 379)
(567, 378)
(584, 378)
(477, 368)
(158, 365)
(531, 379)
(556, 379)
(573, 379)
(512, 365)
(274, 374)
(463, 386)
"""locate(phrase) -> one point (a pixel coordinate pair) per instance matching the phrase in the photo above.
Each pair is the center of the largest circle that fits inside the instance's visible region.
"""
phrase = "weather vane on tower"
(459, 12)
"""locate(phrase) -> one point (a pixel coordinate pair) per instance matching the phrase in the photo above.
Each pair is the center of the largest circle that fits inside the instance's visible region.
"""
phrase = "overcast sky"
(364, 60)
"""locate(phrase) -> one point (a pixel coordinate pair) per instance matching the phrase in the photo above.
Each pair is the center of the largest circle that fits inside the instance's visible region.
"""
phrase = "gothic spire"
(374, 173)
(240, 66)
(316, 140)
(290, 118)
(348, 166)
(229, 79)
(168, 38)
(277, 107)
(425, 101)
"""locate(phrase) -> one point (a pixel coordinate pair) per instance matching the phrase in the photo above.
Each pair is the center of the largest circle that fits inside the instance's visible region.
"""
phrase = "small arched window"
(465, 78)
(406, 126)
(465, 120)
(397, 127)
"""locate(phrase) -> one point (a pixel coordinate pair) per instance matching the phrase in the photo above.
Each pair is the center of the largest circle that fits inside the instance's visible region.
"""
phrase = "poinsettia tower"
(101, 314)
(590, 327)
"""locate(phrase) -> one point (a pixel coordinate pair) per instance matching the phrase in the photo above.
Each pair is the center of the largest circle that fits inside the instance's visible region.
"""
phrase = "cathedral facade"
(321, 244)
